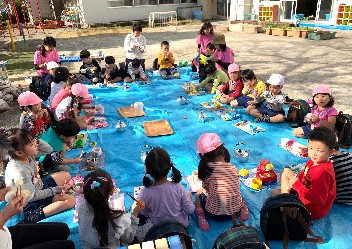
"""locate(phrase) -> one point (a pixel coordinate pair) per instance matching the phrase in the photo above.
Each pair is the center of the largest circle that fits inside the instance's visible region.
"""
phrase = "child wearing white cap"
(269, 107)
(51, 66)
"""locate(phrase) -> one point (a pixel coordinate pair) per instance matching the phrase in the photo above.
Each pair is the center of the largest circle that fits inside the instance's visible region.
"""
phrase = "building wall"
(97, 11)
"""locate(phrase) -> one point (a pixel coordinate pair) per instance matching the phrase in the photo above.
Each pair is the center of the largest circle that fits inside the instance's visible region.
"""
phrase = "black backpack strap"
(315, 239)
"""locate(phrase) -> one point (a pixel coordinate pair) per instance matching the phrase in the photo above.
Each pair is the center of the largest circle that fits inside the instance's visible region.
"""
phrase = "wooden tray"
(157, 128)
(130, 112)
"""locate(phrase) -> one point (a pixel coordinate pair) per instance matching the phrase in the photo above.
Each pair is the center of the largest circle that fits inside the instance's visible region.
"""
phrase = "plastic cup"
(138, 105)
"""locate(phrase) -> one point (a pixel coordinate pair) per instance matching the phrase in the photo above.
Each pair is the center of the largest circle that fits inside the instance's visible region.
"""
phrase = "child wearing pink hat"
(269, 107)
(34, 118)
(72, 105)
(322, 113)
(233, 88)
(220, 197)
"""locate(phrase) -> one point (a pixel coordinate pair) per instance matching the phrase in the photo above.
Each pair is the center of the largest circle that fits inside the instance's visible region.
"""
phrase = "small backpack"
(284, 217)
(41, 88)
(239, 236)
(297, 111)
(169, 228)
(343, 128)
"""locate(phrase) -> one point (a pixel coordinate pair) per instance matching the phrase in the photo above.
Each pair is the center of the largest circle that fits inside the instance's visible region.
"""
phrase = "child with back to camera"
(99, 225)
(220, 197)
(166, 60)
(90, 68)
(62, 94)
(62, 75)
(218, 77)
(322, 113)
(252, 89)
(164, 199)
(269, 107)
(43, 196)
(46, 53)
(110, 72)
(233, 88)
(135, 45)
(135, 71)
(316, 184)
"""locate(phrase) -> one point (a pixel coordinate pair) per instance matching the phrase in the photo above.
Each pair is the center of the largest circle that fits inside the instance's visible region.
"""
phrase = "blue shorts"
(269, 112)
(242, 101)
(307, 129)
(203, 201)
(48, 182)
(168, 71)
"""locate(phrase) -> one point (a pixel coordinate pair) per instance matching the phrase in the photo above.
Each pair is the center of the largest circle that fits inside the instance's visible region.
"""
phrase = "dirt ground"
(304, 63)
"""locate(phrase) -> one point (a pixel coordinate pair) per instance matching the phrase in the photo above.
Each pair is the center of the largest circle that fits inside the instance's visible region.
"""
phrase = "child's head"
(29, 102)
(79, 92)
(210, 49)
(165, 46)
(110, 61)
(219, 42)
(322, 96)
(52, 66)
(321, 144)
(136, 63)
(206, 29)
(137, 29)
(234, 71)
(61, 74)
(248, 78)
(210, 70)
(85, 56)
(19, 143)
(97, 188)
(71, 82)
(210, 149)
(66, 129)
(157, 165)
(276, 82)
(49, 43)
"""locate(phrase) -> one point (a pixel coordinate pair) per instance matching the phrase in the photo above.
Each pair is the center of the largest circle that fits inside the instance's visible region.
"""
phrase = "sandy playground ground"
(304, 63)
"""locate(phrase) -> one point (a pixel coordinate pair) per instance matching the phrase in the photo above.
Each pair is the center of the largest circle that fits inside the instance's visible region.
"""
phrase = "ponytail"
(204, 171)
(175, 175)
(148, 180)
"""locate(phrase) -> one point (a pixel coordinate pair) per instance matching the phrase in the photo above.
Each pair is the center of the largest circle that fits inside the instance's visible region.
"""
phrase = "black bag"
(343, 128)
(40, 88)
(169, 228)
(297, 111)
(284, 217)
(239, 236)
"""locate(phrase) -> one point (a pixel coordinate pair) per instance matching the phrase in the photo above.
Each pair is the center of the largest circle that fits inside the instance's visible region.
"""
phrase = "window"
(145, 2)
(119, 3)
(188, 1)
(169, 1)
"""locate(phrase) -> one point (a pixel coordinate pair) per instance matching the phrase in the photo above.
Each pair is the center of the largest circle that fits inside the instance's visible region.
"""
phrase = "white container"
(138, 105)
(100, 85)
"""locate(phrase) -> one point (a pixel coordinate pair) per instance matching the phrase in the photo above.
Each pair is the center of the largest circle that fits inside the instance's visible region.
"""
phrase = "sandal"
(202, 222)
(244, 213)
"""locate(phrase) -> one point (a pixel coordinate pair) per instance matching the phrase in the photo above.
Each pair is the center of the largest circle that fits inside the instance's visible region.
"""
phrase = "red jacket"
(238, 89)
(317, 188)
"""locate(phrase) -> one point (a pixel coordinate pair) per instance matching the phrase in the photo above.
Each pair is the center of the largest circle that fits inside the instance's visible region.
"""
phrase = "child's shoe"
(244, 213)
(32, 216)
(202, 222)
(264, 118)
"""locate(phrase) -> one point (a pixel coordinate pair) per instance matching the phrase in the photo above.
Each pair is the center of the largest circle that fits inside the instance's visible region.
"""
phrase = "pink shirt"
(227, 56)
(62, 94)
(203, 40)
(49, 56)
(323, 115)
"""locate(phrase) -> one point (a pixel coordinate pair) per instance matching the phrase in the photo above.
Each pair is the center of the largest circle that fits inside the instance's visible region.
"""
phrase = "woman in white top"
(135, 45)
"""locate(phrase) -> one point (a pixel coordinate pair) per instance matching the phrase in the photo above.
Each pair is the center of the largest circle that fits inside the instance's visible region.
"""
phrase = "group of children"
(47, 132)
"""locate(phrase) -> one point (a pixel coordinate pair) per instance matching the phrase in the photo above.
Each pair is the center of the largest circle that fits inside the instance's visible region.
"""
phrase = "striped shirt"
(223, 189)
(343, 170)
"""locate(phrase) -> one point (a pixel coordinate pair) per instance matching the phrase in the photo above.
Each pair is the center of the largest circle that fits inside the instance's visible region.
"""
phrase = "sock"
(264, 118)
(32, 216)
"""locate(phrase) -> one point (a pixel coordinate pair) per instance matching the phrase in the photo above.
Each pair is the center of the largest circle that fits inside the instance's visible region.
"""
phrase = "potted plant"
(280, 30)
(268, 27)
(294, 32)
(305, 31)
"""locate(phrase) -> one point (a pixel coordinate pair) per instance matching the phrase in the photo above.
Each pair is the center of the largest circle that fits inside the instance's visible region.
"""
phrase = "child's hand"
(77, 160)
(213, 58)
(137, 207)
(14, 207)
(315, 119)
(45, 113)
(3, 192)
(251, 102)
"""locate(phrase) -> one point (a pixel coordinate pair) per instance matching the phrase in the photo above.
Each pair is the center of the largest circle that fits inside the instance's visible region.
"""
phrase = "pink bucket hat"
(276, 80)
(233, 68)
(28, 98)
(208, 142)
(321, 89)
(80, 90)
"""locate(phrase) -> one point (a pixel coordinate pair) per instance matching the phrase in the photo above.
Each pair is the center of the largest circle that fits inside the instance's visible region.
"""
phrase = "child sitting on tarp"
(316, 184)
(233, 88)
(253, 88)
(60, 138)
(62, 94)
(166, 61)
(90, 68)
(110, 72)
(218, 76)
(269, 107)
(49, 77)
(135, 71)
(204, 60)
